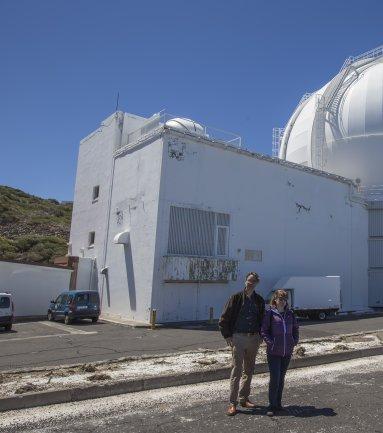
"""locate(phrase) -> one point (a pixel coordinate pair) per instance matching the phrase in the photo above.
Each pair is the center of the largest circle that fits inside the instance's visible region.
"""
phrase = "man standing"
(240, 325)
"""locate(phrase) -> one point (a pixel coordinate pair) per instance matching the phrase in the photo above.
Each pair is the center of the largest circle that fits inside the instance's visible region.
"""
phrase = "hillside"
(32, 229)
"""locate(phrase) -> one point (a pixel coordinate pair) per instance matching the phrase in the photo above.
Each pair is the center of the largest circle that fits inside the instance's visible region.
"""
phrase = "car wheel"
(8, 327)
(322, 315)
(94, 319)
(67, 320)
(50, 316)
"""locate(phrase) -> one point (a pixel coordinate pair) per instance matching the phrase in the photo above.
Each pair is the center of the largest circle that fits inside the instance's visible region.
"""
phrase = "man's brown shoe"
(247, 404)
(231, 410)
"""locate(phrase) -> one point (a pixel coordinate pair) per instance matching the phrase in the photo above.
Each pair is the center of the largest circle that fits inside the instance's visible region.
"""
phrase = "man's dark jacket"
(231, 311)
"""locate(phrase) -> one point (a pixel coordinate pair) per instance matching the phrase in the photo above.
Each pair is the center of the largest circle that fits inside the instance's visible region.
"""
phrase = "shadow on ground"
(293, 411)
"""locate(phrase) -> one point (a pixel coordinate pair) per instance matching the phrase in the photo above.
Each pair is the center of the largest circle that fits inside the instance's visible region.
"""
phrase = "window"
(82, 299)
(96, 192)
(195, 232)
(222, 240)
(91, 238)
(5, 302)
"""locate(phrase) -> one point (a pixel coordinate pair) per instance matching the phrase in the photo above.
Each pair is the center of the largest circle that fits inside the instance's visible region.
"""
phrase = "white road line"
(66, 328)
(39, 336)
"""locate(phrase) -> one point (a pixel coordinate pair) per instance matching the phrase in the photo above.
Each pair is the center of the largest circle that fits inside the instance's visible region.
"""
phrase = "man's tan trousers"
(244, 350)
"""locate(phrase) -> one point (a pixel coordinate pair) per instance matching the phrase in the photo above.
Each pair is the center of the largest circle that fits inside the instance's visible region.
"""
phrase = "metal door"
(375, 288)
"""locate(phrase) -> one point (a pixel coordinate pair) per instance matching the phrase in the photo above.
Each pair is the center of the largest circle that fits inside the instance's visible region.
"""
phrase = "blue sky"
(237, 65)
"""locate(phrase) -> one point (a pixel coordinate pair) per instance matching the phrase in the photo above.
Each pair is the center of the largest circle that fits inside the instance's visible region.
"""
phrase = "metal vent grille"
(193, 232)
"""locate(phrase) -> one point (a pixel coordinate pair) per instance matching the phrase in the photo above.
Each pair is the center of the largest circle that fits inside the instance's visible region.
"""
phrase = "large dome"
(339, 128)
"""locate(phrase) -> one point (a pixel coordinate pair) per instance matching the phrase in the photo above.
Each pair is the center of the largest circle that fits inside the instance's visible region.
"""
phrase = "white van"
(6, 311)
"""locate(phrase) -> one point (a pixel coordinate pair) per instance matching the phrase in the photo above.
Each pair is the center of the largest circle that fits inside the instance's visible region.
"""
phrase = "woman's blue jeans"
(277, 366)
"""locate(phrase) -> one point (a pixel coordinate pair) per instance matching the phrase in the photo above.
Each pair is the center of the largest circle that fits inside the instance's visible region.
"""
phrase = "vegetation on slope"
(32, 229)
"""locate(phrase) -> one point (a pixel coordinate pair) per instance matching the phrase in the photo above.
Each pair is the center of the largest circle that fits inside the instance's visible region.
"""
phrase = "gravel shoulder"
(15, 383)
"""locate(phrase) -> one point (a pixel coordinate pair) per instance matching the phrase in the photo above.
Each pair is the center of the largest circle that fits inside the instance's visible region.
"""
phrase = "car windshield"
(5, 302)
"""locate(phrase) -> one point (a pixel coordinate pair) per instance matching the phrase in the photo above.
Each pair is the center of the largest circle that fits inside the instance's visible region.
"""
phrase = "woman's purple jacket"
(280, 331)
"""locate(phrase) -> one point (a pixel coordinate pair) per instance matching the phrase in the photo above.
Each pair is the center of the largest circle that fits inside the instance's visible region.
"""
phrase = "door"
(375, 288)
(59, 307)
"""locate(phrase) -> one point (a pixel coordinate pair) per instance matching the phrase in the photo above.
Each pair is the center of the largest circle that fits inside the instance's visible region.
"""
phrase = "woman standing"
(281, 334)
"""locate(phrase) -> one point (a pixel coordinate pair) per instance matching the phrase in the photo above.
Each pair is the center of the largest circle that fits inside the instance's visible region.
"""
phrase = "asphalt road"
(34, 344)
(342, 397)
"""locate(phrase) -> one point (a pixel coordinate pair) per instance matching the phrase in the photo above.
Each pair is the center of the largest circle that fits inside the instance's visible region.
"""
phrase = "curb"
(136, 385)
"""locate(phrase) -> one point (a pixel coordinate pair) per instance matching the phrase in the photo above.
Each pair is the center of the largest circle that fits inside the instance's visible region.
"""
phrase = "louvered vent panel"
(191, 232)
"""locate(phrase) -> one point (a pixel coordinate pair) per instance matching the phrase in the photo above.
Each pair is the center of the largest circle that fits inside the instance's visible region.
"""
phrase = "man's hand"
(229, 341)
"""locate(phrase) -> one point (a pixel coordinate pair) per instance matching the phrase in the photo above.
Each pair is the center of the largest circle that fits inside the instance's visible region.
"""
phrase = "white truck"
(312, 297)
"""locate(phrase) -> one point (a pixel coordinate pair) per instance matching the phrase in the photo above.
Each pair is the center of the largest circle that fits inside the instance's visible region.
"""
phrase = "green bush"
(7, 249)
(22, 213)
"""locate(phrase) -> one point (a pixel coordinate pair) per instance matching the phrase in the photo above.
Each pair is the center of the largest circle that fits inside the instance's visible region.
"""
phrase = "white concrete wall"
(87, 274)
(261, 198)
(32, 287)
(93, 168)
(134, 206)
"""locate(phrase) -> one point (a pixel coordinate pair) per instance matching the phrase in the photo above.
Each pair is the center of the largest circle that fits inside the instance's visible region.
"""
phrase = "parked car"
(68, 306)
(6, 311)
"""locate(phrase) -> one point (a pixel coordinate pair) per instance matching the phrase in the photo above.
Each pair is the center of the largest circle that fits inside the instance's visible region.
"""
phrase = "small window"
(222, 240)
(96, 192)
(92, 236)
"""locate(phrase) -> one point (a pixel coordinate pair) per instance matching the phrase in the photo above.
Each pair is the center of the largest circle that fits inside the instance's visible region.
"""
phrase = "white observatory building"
(339, 128)
(174, 214)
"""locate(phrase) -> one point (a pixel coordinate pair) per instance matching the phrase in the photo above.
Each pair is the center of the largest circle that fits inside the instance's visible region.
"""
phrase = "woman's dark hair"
(280, 293)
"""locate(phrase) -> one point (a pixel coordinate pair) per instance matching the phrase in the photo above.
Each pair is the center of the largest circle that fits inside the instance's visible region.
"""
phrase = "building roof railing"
(371, 192)
(160, 119)
(371, 54)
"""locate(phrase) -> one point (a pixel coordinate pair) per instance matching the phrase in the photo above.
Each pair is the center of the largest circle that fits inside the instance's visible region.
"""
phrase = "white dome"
(362, 108)
(350, 142)
(186, 125)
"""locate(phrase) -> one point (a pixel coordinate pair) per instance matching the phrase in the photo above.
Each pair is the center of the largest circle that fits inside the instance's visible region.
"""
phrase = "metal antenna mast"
(118, 99)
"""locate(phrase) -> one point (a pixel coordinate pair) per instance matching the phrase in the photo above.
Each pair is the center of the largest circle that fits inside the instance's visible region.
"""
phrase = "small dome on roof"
(186, 125)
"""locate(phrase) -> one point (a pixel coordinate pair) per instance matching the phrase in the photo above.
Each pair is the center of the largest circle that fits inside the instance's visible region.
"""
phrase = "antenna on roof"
(118, 99)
